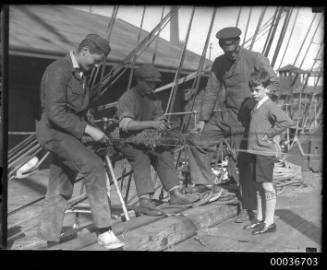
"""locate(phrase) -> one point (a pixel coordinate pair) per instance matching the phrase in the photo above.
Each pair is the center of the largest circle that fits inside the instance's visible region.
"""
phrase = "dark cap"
(228, 33)
(148, 72)
(100, 42)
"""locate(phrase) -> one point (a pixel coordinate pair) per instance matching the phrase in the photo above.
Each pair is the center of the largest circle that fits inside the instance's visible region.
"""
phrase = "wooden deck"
(206, 228)
(298, 219)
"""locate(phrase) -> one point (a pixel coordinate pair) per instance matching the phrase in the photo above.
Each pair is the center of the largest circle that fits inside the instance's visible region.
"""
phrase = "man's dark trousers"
(141, 161)
(198, 150)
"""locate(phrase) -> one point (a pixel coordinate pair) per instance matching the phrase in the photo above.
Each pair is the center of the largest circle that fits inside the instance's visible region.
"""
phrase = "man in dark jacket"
(62, 130)
(229, 78)
(140, 109)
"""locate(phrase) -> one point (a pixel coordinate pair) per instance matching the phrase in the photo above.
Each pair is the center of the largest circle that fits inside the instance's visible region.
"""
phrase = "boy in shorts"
(267, 121)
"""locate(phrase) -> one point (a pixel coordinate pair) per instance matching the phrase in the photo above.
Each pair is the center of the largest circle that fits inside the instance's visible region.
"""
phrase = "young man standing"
(61, 130)
(267, 121)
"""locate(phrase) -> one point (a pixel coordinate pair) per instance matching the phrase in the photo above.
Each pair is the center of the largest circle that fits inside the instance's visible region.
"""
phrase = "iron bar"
(22, 151)
(112, 173)
(19, 145)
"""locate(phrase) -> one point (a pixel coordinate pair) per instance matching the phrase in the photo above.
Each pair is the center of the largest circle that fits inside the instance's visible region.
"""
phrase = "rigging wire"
(197, 79)
(311, 42)
(309, 74)
(281, 36)
(270, 29)
(238, 16)
(257, 28)
(273, 33)
(263, 31)
(95, 71)
(109, 31)
(157, 40)
(134, 58)
(305, 85)
(289, 38)
(172, 96)
(247, 26)
(119, 69)
(305, 38)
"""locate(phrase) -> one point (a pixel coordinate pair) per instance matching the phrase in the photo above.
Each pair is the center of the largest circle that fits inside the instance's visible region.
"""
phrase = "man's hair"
(260, 77)
(93, 47)
(234, 41)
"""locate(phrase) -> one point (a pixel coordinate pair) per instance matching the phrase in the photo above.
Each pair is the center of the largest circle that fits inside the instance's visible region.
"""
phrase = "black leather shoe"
(147, 207)
(263, 228)
(178, 198)
(255, 224)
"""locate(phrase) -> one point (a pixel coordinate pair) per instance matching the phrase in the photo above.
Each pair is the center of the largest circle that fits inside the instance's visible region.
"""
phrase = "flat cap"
(228, 33)
(148, 72)
(100, 42)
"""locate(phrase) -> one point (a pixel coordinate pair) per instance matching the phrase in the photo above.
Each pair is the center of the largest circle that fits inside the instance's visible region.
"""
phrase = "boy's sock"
(259, 207)
(270, 197)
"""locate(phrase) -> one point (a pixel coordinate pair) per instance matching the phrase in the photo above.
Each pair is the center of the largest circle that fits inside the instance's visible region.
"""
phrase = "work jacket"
(64, 102)
(232, 78)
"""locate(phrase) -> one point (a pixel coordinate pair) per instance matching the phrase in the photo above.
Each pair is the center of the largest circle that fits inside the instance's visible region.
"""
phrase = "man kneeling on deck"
(140, 109)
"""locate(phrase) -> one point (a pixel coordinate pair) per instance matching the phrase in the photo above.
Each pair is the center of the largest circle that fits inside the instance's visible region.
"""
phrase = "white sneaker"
(109, 240)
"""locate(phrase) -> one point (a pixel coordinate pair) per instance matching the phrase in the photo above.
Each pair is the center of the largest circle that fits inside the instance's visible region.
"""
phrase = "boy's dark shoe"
(253, 225)
(263, 228)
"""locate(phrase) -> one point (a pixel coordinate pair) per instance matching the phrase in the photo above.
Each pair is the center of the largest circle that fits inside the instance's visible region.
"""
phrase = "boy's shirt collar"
(76, 66)
(74, 60)
(260, 102)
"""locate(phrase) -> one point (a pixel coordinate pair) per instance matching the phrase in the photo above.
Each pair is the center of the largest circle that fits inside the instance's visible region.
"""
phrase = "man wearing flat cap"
(229, 79)
(62, 130)
(138, 109)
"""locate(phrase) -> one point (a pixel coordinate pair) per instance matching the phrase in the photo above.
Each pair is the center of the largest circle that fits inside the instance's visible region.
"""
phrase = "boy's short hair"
(96, 44)
(260, 77)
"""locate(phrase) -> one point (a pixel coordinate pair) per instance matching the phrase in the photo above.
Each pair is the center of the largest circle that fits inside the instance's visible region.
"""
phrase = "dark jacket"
(233, 78)
(64, 102)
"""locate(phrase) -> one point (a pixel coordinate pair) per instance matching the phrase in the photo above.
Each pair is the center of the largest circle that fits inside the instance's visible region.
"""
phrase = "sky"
(225, 17)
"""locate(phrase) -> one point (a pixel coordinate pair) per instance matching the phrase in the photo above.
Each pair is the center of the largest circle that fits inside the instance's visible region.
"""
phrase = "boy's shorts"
(263, 168)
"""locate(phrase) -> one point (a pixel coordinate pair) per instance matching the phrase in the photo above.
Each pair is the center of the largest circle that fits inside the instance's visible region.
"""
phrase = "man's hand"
(199, 127)
(95, 133)
(159, 124)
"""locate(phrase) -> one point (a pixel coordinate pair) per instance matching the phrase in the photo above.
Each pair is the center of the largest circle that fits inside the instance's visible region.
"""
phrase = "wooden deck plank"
(298, 227)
